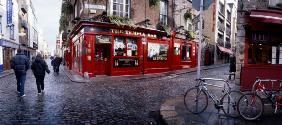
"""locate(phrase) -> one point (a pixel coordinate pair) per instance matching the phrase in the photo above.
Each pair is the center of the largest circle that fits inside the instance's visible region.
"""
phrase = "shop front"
(184, 54)
(97, 48)
(7, 51)
(263, 48)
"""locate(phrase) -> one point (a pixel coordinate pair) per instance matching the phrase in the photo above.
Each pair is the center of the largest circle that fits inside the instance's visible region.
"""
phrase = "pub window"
(186, 52)
(157, 51)
(176, 49)
(119, 46)
(163, 12)
(121, 8)
(264, 54)
(131, 47)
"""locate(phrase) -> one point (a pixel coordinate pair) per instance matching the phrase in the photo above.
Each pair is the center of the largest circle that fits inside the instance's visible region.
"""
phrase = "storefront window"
(119, 46)
(157, 51)
(264, 54)
(131, 47)
(176, 49)
(186, 52)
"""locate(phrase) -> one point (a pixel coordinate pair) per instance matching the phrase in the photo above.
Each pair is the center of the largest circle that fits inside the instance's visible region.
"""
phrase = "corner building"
(97, 46)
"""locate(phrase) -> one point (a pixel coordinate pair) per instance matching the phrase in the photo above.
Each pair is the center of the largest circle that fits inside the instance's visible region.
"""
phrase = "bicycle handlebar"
(214, 79)
(258, 81)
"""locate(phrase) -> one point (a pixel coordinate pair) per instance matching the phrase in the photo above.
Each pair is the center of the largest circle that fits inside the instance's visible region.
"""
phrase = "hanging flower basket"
(191, 35)
(188, 15)
(63, 22)
(162, 27)
(67, 8)
(120, 21)
(154, 2)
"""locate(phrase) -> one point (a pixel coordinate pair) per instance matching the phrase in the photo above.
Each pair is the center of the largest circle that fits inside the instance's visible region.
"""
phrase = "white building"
(42, 45)
(9, 40)
(28, 28)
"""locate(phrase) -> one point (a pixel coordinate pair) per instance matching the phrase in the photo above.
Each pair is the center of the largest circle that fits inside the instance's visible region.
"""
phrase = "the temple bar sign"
(96, 7)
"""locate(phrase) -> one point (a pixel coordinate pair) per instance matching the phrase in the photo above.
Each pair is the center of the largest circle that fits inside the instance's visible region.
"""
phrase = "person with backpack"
(39, 67)
(56, 64)
(20, 64)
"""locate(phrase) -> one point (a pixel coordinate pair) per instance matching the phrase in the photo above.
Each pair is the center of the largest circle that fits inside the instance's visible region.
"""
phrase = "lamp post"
(200, 40)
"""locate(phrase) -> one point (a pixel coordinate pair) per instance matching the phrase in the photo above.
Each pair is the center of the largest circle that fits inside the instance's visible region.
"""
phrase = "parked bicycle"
(196, 98)
(250, 105)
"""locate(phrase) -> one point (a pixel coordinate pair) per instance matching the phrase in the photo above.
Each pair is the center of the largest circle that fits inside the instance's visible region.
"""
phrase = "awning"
(225, 50)
(267, 16)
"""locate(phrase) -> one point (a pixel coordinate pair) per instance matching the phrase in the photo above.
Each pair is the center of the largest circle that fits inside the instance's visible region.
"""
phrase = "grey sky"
(48, 14)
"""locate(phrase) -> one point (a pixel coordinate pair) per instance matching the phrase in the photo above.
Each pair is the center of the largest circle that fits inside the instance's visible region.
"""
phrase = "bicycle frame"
(202, 85)
(259, 86)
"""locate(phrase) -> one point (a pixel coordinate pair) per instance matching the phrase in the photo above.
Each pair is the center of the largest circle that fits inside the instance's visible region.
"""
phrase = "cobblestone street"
(127, 102)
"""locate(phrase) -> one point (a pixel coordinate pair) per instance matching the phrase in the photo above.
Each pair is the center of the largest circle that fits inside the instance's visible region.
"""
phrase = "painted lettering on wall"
(128, 32)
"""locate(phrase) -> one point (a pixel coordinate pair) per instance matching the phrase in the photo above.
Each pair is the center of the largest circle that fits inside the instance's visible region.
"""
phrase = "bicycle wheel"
(229, 103)
(195, 100)
(250, 106)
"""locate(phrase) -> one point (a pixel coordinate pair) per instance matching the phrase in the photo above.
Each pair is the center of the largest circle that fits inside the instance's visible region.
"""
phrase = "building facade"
(219, 22)
(126, 37)
(8, 32)
(28, 28)
(259, 50)
(42, 45)
(17, 18)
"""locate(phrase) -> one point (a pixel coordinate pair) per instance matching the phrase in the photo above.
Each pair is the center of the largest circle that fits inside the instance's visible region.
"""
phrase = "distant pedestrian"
(39, 67)
(20, 64)
(56, 64)
(232, 66)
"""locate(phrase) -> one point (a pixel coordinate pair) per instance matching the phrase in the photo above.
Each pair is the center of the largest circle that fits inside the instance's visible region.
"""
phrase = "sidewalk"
(73, 76)
(6, 73)
(174, 112)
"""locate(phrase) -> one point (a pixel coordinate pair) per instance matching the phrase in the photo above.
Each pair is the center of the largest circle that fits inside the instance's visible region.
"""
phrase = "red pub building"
(260, 42)
(99, 48)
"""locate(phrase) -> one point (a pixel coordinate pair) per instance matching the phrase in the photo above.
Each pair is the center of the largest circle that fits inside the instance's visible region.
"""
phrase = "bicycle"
(250, 105)
(200, 93)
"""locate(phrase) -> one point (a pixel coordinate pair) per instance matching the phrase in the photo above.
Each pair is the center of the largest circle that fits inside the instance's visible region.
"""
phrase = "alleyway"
(107, 102)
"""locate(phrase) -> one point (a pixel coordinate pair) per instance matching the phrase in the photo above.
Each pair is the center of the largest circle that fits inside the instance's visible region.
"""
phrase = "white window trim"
(124, 4)
(166, 4)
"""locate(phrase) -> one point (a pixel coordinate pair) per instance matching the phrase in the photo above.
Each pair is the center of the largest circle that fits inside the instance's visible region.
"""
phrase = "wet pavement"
(103, 102)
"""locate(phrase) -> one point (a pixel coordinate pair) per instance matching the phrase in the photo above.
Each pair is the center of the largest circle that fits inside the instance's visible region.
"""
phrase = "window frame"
(189, 46)
(1, 30)
(12, 32)
(124, 5)
(163, 15)
(125, 49)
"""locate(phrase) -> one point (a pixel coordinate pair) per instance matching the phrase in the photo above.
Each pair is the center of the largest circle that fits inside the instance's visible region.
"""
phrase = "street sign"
(9, 12)
(196, 4)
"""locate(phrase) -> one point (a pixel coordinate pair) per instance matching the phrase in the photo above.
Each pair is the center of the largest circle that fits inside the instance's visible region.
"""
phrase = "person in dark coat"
(20, 64)
(39, 67)
(56, 64)
(232, 66)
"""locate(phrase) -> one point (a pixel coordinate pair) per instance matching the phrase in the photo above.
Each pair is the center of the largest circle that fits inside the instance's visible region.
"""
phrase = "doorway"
(102, 59)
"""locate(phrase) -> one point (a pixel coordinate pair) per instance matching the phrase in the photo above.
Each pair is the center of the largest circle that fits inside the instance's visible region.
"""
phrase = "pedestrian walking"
(20, 65)
(39, 67)
(56, 64)
(232, 66)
